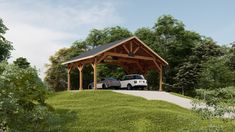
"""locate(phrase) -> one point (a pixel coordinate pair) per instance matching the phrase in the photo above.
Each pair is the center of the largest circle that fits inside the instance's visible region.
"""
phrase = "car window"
(125, 78)
(137, 77)
(112, 79)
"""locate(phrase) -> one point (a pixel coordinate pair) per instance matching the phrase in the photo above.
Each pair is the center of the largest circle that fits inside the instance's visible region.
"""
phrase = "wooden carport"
(130, 53)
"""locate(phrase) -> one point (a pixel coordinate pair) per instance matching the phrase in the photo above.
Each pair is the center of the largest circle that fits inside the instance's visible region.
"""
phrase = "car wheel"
(129, 87)
(89, 87)
(103, 86)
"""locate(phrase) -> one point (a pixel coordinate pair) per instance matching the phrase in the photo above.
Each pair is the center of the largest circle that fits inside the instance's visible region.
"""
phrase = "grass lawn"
(109, 111)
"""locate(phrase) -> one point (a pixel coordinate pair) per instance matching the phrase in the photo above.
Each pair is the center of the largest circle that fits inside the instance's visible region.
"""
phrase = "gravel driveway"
(156, 95)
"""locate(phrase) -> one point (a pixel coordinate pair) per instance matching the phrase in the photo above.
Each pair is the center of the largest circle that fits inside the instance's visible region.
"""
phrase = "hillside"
(109, 111)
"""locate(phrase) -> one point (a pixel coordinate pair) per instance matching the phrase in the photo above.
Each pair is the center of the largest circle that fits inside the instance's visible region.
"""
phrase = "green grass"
(109, 111)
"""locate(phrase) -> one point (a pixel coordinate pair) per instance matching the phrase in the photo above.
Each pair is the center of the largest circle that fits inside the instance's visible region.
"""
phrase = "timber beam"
(127, 56)
(80, 67)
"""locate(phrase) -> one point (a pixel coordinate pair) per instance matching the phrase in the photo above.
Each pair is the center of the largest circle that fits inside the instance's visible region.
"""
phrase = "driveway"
(156, 95)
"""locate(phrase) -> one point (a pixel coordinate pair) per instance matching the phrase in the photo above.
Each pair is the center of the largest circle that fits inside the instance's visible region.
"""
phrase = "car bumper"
(140, 85)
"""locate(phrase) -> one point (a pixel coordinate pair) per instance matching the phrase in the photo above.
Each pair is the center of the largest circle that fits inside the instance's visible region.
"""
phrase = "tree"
(147, 36)
(186, 78)
(99, 37)
(22, 95)
(56, 75)
(216, 74)
(189, 72)
(232, 56)
(5, 45)
(204, 50)
(175, 44)
(22, 63)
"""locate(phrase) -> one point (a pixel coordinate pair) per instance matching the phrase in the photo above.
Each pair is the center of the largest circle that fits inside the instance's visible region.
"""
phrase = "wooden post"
(80, 67)
(95, 76)
(131, 47)
(68, 75)
(160, 79)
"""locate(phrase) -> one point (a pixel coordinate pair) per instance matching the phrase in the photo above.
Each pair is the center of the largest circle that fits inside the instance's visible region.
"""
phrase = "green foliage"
(105, 71)
(218, 103)
(109, 111)
(22, 63)
(232, 57)
(188, 54)
(216, 74)
(152, 77)
(175, 44)
(56, 75)
(99, 37)
(204, 50)
(5, 45)
(22, 99)
(189, 72)
(147, 36)
(187, 78)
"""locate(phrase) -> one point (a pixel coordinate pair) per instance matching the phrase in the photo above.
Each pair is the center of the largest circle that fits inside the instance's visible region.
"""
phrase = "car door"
(124, 82)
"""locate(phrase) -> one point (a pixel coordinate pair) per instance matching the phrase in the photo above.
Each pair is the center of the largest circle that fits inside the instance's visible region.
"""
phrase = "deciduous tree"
(5, 45)
(22, 63)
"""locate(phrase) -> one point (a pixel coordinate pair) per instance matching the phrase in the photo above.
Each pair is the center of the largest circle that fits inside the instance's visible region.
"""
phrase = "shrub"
(22, 95)
(218, 102)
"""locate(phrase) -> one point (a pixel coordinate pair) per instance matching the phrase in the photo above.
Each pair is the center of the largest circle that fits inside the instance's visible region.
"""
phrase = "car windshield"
(137, 77)
(112, 79)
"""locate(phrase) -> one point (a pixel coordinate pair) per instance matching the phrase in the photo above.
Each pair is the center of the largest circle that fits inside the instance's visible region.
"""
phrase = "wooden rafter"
(156, 64)
(159, 57)
(124, 46)
(147, 51)
(136, 50)
(127, 56)
(122, 60)
(102, 57)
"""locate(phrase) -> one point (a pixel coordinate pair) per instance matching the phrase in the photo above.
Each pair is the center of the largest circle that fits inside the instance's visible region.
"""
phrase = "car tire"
(89, 87)
(129, 87)
(103, 86)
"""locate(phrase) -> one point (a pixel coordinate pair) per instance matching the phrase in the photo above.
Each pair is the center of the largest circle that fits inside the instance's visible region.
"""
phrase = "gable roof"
(102, 48)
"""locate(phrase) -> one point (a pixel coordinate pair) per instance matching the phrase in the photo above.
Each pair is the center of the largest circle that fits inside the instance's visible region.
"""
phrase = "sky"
(38, 28)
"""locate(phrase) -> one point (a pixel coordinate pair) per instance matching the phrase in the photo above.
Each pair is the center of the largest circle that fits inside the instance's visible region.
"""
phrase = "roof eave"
(72, 61)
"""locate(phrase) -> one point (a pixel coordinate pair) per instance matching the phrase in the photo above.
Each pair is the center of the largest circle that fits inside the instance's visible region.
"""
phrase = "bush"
(218, 102)
(22, 95)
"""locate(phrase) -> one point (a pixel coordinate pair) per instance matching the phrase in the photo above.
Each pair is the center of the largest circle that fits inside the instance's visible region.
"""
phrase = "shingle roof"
(101, 49)
(96, 50)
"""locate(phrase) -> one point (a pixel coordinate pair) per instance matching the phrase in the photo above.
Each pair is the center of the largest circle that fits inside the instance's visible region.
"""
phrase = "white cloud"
(36, 44)
(38, 29)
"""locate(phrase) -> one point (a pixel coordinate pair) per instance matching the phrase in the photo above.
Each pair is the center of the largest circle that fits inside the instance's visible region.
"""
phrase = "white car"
(133, 80)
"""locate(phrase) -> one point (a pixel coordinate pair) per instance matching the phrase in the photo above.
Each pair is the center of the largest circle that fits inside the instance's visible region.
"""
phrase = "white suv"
(133, 80)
